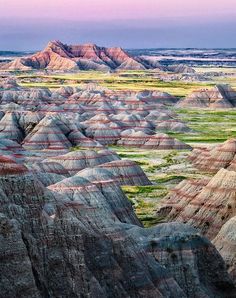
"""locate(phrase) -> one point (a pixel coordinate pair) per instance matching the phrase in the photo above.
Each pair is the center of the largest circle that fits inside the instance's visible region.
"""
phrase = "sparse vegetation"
(138, 80)
(145, 200)
(77, 148)
(168, 161)
(170, 178)
(209, 126)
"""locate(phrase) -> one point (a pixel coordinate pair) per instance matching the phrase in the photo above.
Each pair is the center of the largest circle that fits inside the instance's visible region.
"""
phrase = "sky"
(30, 24)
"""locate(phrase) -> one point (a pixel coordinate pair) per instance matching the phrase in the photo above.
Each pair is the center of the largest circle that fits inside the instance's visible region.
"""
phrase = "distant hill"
(59, 56)
(219, 97)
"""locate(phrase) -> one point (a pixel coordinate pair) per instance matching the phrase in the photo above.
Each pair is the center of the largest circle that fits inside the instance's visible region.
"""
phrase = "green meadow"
(209, 126)
(165, 169)
(135, 81)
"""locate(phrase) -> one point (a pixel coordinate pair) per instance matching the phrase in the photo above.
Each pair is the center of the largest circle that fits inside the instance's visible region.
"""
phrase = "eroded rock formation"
(206, 204)
(80, 237)
(213, 159)
(59, 56)
(219, 97)
(225, 242)
(209, 204)
(88, 117)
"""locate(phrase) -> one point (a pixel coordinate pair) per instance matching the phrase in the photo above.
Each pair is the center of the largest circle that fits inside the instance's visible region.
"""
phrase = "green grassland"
(126, 80)
(134, 81)
(144, 200)
(165, 169)
(209, 126)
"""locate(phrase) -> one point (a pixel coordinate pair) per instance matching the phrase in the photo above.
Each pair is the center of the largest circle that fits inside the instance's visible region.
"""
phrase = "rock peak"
(89, 56)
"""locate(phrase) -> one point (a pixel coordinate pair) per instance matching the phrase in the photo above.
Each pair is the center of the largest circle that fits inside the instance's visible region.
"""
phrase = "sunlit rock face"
(59, 56)
(213, 159)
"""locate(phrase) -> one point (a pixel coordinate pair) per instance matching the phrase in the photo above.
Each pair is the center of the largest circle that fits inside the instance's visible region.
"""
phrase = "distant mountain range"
(59, 56)
(63, 57)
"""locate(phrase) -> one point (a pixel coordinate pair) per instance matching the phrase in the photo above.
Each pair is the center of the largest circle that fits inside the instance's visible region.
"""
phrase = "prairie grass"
(145, 200)
(209, 126)
(135, 81)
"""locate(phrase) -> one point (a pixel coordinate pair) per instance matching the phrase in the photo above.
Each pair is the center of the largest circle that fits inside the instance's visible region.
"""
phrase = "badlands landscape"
(117, 173)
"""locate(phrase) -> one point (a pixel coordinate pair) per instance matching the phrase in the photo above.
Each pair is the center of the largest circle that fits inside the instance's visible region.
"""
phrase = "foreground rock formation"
(209, 204)
(80, 237)
(206, 204)
(225, 242)
(219, 97)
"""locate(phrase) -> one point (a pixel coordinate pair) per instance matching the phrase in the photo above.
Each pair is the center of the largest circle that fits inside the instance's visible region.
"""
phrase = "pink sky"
(30, 24)
(116, 9)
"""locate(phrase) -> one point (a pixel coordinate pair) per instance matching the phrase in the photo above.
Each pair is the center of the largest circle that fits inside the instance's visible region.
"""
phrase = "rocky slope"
(225, 242)
(209, 204)
(59, 56)
(80, 238)
(213, 159)
(181, 68)
(206, 204)
(62, 57)
(219, 97)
